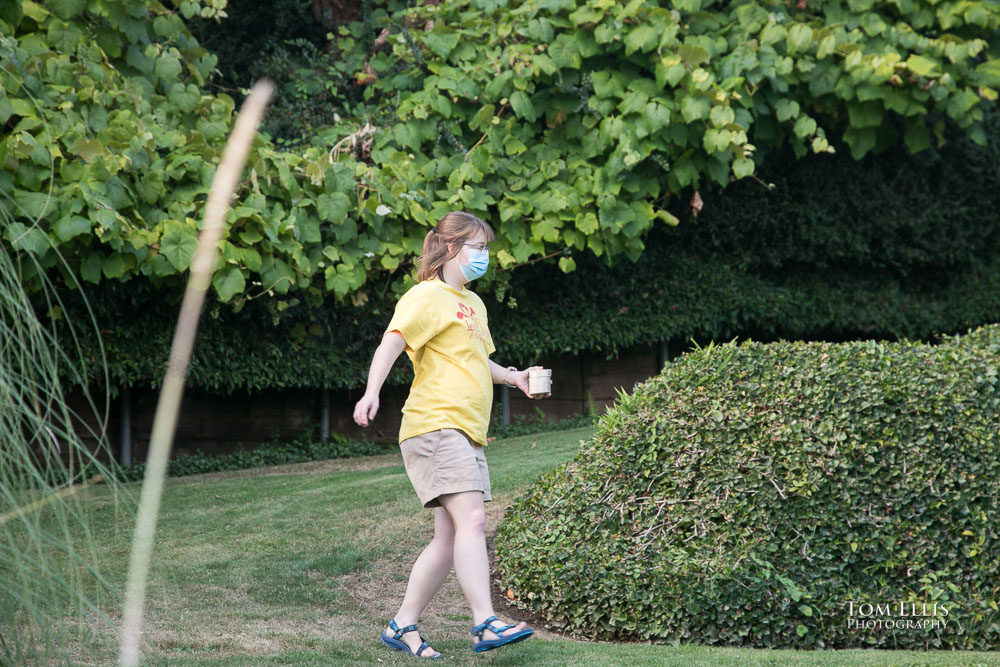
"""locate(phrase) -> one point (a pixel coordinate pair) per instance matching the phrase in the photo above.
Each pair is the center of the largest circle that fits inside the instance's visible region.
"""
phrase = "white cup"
(540, 382)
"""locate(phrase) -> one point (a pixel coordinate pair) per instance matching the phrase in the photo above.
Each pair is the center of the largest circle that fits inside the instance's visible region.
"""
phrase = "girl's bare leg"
(428, 573)
(472, 566)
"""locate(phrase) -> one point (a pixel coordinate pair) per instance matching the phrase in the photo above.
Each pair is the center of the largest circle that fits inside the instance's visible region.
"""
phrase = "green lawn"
(304, 564)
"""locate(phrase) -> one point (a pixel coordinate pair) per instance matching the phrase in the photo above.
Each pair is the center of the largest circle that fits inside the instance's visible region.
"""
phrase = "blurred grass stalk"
(168, 407)
(49, 580)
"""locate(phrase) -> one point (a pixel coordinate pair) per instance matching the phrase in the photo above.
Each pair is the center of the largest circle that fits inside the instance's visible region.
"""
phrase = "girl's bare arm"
(385, 356)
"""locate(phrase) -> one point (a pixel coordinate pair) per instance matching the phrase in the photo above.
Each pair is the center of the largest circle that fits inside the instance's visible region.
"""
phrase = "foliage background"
(891, 246)
(581, 130)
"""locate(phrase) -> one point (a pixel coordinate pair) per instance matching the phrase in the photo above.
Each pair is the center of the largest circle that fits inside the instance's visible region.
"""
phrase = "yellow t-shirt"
(448, 341)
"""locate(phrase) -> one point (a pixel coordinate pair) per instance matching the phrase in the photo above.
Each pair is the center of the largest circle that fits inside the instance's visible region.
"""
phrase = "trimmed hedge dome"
(779, 495)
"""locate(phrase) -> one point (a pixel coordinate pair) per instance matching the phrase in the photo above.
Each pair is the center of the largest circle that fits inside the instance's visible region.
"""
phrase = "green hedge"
(888, 247)
(749, 493)
(891, 246)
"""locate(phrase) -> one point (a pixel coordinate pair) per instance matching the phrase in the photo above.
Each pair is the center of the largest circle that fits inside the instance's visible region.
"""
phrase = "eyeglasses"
(478, 246)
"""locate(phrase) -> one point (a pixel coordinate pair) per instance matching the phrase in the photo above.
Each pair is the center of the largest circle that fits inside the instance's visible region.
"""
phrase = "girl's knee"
(467, 511)
(471, 520)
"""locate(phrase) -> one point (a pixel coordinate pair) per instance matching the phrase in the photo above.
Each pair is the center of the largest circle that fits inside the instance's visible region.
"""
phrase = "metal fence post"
(663, 355)
(324, 415)
(125, 411)
(505, 404)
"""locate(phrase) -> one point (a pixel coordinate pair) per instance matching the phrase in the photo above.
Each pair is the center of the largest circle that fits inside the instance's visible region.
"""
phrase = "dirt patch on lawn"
(247, 627)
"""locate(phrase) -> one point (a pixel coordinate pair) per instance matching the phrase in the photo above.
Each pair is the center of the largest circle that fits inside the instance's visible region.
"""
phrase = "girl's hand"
(365, 410)
(520, 380)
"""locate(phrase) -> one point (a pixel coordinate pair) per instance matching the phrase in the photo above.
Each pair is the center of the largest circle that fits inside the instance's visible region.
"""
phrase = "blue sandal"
(396, 643)
(502, 640)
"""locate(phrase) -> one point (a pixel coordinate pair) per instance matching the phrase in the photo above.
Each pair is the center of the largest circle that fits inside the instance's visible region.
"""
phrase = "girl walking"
(443, 328)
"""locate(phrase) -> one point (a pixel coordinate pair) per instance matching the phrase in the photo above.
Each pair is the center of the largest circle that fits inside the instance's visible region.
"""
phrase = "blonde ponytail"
(453, 229)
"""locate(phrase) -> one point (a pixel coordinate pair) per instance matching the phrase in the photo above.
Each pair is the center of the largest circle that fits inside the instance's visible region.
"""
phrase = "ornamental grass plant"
(52, 593)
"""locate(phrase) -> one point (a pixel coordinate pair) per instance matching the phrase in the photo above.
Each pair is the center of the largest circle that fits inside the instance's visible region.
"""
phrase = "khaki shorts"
(442, 462)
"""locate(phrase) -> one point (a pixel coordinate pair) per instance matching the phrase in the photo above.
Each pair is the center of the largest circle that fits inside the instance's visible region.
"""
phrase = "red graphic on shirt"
(468, 317)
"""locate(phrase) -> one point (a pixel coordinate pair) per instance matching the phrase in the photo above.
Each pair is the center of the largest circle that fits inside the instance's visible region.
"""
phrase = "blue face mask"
(479, 261)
